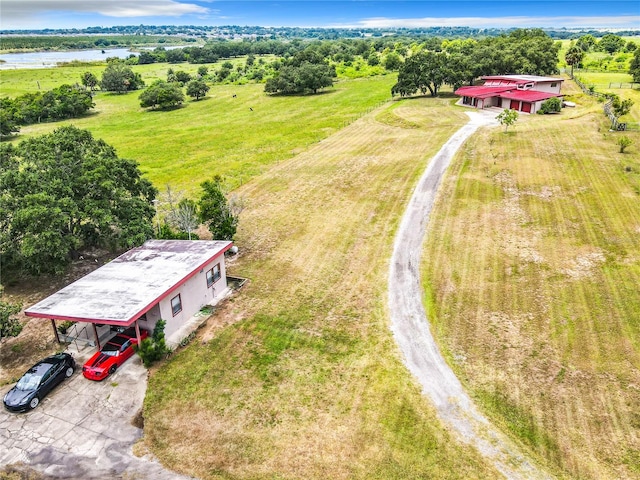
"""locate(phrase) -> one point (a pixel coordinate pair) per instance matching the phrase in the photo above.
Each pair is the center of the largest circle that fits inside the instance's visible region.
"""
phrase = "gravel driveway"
(411, 327)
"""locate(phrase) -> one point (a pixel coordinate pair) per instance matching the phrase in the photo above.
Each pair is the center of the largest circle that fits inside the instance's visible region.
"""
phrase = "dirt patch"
(583, 266)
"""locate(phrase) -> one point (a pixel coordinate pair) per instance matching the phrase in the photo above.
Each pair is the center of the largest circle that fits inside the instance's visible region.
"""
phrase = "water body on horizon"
(10, 61)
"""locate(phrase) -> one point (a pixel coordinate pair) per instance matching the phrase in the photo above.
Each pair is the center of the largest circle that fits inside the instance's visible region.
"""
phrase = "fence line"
(623, 84)
(608, 111)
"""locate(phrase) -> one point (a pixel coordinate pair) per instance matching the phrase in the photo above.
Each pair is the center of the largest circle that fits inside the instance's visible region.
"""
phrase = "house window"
(176, 305)
(554, 85)
(213, 275)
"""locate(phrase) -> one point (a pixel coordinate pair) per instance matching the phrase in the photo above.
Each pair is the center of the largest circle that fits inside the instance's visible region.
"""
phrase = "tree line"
(191, 32)
(65, 101)
(526, 51)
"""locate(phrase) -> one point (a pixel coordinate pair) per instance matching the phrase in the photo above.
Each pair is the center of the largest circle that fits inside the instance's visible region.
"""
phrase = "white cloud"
(24, 9)
(622, 21)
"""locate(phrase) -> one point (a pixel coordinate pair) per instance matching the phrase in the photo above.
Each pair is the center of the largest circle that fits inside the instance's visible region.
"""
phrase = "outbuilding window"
(213, 275)
(176, 305)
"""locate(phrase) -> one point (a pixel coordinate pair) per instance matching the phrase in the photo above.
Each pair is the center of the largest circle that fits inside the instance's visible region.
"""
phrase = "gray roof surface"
(526, 78)
(123, 289)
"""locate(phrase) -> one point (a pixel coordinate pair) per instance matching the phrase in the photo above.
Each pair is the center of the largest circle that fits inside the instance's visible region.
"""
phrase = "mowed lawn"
(298, 376)
(532, 275)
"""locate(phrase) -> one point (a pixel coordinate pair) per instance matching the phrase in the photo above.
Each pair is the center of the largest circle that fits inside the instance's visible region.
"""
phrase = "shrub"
(552, 105)
(152, 349)
(10, 326)
(624, 142)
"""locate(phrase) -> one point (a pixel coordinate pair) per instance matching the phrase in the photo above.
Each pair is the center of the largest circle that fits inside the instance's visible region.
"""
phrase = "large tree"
(422, 71)
(162, 94)
(300, 77)
(611, 43)
(197, 89)
(216, 212)
(118, 77)
(66, 191)
(573, 57)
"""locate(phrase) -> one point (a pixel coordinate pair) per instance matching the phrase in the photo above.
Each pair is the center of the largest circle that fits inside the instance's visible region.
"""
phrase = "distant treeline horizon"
(236, 31)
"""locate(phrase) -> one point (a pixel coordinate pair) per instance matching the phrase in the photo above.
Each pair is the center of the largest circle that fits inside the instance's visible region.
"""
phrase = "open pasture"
(236, 131)
(531, 276)
(299, 376)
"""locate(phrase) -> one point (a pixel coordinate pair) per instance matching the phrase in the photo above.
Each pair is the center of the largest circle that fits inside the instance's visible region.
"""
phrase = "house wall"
(194, 294)
(148, 322)
(548, 87)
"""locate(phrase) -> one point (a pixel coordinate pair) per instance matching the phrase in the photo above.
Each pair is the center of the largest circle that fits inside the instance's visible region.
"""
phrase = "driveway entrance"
(83, 429)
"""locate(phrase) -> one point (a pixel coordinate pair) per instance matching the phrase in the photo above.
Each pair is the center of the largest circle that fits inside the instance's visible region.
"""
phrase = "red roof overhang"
(481, 92)
(505, 92)
(528, 95)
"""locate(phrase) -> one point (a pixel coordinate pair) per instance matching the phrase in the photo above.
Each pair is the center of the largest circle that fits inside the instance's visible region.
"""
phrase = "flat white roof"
(524, 78)
(128, 286)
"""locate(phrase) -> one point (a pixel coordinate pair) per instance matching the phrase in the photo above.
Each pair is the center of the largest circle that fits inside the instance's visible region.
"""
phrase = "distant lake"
(51, 59)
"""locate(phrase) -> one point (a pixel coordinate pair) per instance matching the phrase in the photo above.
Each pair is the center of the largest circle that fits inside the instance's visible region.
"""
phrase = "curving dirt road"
(411, 327)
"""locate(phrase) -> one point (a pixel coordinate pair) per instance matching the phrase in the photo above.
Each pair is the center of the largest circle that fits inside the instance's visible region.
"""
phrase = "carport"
(162, 279)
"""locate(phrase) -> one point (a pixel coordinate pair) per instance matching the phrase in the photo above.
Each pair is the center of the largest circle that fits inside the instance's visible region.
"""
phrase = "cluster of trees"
(306, 71)
(168, 94)
(609, 43)
(213, 209)
(527, 51)
(119, 78)
(74, 41)
(65, 101)
(64, 192)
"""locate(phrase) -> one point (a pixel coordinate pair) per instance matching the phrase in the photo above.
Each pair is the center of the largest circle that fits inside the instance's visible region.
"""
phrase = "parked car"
(38, 381)
(112, 355)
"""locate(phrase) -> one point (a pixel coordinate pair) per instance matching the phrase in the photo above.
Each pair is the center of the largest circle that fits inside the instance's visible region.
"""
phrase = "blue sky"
(37, 14)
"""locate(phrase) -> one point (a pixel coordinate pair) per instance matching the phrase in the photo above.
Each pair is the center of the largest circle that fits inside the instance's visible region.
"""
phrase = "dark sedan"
(38, 381)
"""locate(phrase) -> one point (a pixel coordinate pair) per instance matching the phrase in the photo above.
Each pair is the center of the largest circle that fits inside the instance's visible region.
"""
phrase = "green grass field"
(306, 381)
(531, 273)
(531, 278)
(236, 137)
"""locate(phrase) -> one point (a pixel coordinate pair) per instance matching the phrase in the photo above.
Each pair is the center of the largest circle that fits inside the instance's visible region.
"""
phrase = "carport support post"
(95, 333)
(137, 332)
(55, 330)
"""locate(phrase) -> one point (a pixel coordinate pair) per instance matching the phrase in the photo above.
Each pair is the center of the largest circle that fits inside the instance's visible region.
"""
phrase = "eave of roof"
(481, 91)
(523, 78)
(122, 290)
(528, 95)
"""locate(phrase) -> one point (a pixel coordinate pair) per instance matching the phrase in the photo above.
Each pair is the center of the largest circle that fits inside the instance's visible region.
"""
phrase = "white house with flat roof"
(162, 279)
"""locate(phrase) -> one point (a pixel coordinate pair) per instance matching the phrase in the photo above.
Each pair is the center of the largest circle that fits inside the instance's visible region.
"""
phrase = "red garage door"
(526, 107)
(515, 105)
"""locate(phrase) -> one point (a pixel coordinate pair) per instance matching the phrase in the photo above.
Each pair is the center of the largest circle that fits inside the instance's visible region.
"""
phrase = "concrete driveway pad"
(83, 429)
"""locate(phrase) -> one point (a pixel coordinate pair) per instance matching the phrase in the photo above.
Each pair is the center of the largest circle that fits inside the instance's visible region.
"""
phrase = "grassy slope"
(307, 381)
(532, 272)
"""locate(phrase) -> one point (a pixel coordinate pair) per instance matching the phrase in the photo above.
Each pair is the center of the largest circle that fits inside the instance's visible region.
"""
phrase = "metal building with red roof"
(524, 93)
